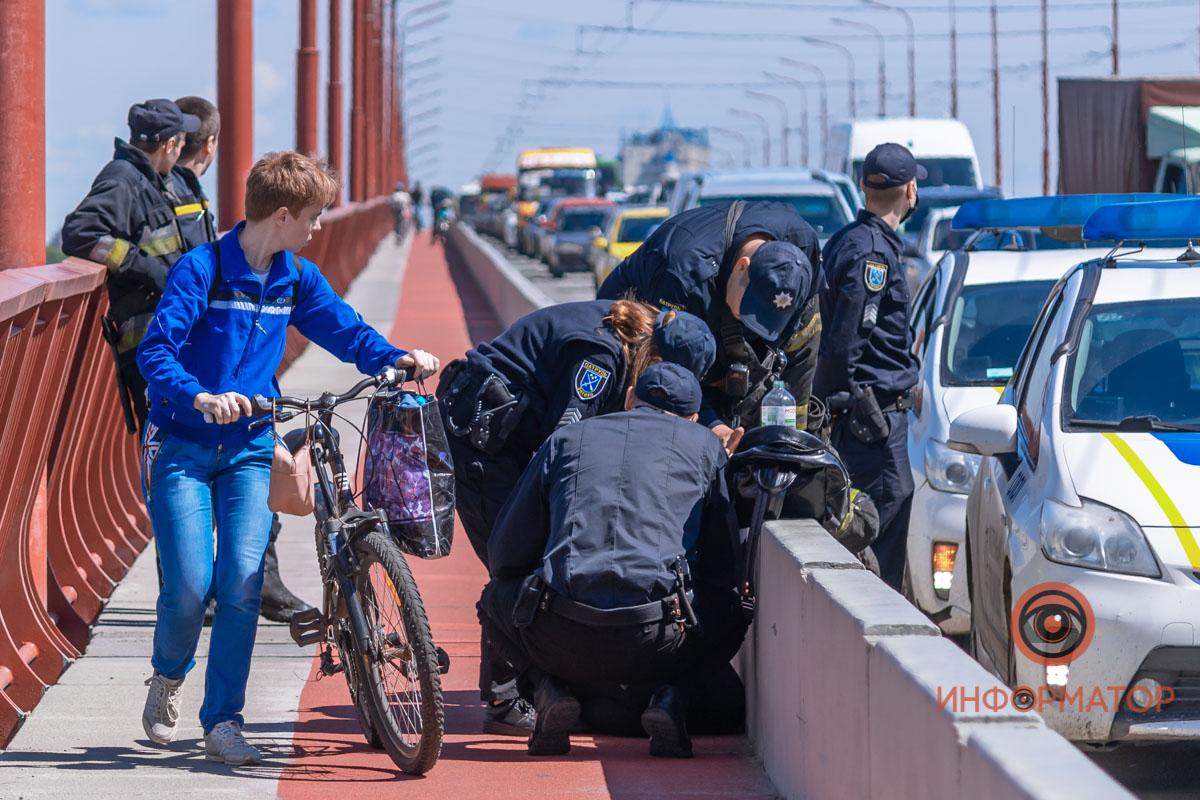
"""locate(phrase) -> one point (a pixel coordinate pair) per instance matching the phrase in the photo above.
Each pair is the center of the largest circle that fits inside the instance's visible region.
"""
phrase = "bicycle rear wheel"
(402, 684)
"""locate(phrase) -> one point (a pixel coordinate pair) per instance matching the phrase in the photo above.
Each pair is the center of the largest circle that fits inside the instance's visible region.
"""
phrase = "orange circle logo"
(1052, 624)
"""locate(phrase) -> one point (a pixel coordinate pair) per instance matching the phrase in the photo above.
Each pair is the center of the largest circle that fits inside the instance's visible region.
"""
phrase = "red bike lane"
(444, 313)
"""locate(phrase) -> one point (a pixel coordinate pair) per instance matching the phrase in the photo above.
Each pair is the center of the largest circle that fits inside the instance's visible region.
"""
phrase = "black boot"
(663, 722)
(278, 603)
(557, 713)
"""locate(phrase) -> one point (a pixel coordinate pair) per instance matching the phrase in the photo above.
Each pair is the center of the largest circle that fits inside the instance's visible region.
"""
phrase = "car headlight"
(1095, 536)
(949, 470)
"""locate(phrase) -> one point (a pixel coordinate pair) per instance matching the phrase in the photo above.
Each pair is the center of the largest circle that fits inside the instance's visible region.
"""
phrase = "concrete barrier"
(847, 687)
(510, 294)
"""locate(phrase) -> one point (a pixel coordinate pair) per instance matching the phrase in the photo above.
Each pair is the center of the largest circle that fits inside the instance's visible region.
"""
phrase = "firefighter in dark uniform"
(127, 223)
(699, 261)
(552, 367)
(866, 357)
(196, 223)
(611, 563)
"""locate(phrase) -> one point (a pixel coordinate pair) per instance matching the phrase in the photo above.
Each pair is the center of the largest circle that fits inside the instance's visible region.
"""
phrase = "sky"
(103, 55)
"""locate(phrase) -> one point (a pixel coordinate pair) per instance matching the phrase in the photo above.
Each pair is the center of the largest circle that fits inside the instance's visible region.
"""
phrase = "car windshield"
(957, 171)
(1137, 359)
(575, 221)
(988, 326)
(637, 229)
(821, 211)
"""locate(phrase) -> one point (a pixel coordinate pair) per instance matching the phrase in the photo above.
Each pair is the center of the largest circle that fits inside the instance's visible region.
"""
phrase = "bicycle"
(371, 614)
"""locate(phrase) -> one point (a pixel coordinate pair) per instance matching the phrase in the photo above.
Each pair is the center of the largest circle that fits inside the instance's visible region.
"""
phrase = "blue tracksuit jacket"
(235, 343)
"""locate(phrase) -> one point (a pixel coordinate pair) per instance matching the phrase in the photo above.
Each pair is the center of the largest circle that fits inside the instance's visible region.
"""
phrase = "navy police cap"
(159, 120)
(669, 387)
(890, 165)
(780, 277)
(687, 341)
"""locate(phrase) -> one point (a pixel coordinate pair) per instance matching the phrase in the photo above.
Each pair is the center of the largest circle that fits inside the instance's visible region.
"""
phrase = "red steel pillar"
(23, 132)
(235, 98)
(394, 173)
(306, 79)
(333, 114)
(357, 155)
(372, 94)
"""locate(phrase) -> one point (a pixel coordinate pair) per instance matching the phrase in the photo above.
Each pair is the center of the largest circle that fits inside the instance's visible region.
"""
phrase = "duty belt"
(900, 402)
(643, 614)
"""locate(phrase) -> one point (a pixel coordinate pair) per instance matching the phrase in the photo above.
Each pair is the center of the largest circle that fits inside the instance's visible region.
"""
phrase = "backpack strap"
(731, 220)
(212, 289)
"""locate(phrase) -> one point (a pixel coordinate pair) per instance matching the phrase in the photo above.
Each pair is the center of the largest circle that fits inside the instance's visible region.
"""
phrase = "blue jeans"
(188, 487)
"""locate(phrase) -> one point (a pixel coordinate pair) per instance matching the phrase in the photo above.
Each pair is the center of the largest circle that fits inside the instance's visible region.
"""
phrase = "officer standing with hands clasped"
(866, 367)
(611, 563)
(751, 271)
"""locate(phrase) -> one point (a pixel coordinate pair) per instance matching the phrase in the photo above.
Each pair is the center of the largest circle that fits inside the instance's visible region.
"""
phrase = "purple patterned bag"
(409, 473)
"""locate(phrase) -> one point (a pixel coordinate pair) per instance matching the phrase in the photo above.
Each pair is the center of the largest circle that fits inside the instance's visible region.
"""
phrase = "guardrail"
(510, 294)
(71, 515)
(846, 687)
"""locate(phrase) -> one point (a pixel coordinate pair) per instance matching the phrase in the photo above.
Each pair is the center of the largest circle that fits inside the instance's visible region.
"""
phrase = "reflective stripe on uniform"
(1160, 496)
(109, 251)
(161, 241)
(802, 336)
(190, 208)
(133, 330)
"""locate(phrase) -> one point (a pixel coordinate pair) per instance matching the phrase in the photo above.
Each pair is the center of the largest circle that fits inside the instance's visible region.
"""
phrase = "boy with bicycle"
(218, 337)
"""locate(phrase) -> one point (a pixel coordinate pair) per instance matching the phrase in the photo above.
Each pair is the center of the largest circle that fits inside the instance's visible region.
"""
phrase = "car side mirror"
(911, 251)
(985, 431)
(600, 243)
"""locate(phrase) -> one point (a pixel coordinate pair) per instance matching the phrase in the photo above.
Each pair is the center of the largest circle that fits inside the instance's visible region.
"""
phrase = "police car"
(1084, 519)
(969, 319)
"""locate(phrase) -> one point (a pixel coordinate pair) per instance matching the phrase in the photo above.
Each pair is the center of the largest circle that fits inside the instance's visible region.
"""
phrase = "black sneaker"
(663, 722)
(557, 712)
(510, 718)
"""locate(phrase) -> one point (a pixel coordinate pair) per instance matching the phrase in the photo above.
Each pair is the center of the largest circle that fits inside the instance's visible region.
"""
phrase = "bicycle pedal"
(307, 627)
(443, 661)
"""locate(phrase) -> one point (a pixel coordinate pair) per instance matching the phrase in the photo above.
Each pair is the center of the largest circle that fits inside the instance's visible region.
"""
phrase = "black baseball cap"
(686, 341)
(780, 277)
(669, 387)
(159, 120)
(890, 165)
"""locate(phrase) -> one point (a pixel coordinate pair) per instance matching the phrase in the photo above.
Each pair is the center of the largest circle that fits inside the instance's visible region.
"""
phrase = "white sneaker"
(160, 717)
(226, 743)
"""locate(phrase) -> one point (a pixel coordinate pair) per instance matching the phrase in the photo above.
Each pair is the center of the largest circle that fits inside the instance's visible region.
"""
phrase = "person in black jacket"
(751, 270)
(552, 367)
(196, 223)
(127, 223)
(611, 562)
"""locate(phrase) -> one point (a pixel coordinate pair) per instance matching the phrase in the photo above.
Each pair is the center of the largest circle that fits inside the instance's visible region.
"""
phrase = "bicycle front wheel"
(401, 681)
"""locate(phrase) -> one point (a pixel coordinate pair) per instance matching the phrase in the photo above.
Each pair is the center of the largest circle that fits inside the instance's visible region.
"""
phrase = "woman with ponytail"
(552, 367)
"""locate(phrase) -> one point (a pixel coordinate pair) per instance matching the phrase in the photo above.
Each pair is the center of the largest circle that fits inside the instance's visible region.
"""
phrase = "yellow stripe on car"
(1160, 496)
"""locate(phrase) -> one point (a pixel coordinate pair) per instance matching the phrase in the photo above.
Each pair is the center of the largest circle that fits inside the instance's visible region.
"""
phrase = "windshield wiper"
(1144, 423)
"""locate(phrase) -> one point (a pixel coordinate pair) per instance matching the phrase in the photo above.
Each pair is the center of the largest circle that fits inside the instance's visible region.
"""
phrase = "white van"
(943, 146)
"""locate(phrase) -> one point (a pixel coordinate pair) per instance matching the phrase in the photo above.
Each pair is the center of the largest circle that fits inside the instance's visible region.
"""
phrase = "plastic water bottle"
(779, 407)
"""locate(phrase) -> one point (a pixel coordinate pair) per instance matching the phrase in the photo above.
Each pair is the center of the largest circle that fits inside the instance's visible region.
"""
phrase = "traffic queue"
(1023, 428)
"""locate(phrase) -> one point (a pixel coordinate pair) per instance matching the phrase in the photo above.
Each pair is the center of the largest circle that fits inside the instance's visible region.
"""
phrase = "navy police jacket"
(607, 506)
(127, 223)
(864, 312)
(191, 208)
(235, 342)
(564, 360)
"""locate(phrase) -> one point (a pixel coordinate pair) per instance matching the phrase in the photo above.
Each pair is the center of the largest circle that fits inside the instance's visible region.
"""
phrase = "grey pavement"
(85, 739)
(571, 287)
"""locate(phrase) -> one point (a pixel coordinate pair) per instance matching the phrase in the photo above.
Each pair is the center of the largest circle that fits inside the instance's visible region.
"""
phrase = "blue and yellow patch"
(590, 380)
(875, 275)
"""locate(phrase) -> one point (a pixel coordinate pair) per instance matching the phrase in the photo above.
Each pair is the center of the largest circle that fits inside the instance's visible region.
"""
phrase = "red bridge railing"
(71, 514)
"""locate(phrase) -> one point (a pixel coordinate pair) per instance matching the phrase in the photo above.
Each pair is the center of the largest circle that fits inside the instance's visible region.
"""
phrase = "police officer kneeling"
(610, 562)
(866, 367)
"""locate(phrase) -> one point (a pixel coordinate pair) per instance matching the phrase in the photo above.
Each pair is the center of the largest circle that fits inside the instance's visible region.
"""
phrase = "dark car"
(573, 234)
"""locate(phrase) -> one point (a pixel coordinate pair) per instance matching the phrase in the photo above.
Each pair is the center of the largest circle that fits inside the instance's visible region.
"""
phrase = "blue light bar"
(1056, 211)
(1146, 222)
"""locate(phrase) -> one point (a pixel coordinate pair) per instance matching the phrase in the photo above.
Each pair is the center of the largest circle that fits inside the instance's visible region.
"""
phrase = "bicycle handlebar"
(389, 376)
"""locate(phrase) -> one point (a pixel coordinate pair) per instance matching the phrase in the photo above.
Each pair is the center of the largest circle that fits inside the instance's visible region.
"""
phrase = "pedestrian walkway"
(85, 739)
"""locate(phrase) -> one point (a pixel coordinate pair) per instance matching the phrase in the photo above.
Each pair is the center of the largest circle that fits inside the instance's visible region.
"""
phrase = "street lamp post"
(845, 51)
(824, 87)
(741, 135)
(912, 51)
(879, 45)
(953, 62)
(766, 129)
(799, 84)
(783, 142)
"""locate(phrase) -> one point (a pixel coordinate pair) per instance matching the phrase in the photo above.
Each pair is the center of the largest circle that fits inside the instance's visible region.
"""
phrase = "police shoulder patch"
(590, 380)
(875, 275)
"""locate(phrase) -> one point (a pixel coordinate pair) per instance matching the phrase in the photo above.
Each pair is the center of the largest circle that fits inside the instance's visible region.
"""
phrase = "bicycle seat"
(293, 440)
